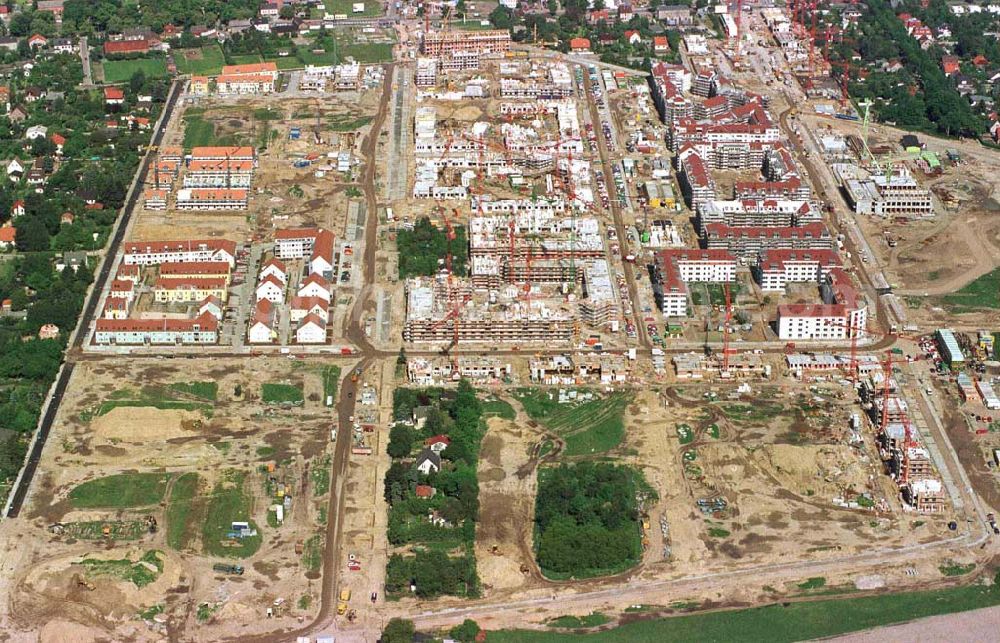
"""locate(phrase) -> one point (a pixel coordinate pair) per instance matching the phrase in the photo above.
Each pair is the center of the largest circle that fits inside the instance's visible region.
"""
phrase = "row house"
(245, 84)
(696, 182)
(168, 290)
(201, 330)
(196, 270)
(212, 199)
(311, 330)
(301, 307)
(224, 153)
(227, 173)
(151, 253)
(792, 189)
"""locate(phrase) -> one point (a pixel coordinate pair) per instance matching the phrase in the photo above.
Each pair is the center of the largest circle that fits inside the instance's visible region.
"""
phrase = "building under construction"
(447, 43)
(449, 310)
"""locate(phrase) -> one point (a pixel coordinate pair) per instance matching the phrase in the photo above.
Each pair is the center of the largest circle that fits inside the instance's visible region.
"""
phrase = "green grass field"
(204, 61)
(798, 621)
(331, 377)
(180, 510)
(593, 619)
(120, 491)
(150, 396)
(126, 569)
(981, 293)
(120, 71)
(204, 390)
(198, 132)
(498, 408)
(229, 502)
(372, 52)
(344, 123)
(594, 426)
(312, 553)
(337, 7)
(277, 393)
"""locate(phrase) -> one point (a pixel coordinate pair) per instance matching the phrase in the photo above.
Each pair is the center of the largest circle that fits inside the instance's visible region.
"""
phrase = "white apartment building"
(151, 253)
(294, 243)
(778, 267)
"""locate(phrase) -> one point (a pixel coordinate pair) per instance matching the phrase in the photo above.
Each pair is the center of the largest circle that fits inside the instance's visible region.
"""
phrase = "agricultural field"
(121, 71)
(146, 486)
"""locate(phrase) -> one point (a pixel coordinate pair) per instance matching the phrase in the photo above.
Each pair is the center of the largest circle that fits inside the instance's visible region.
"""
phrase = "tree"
(287, 12)
(400, 441)
(32, 235)
(398, 630)
(502, 18)
(137, 81)
(466, 632)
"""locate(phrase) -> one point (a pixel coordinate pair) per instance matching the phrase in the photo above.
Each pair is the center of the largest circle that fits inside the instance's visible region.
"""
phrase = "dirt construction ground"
(98, 433)
(283, 196)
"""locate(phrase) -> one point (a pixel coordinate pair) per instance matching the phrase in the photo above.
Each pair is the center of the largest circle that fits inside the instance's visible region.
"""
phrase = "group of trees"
(921, 97)
(569, 19)
(456, 498)
(423, 249)
(28, 366)
(402, 630)
(587, 518)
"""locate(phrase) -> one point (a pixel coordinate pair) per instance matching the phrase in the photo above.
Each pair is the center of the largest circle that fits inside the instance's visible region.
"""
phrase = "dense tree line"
(423, 249)
(587, 518)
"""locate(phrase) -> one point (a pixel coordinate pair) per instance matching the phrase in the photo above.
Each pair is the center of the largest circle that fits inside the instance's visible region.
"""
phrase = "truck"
(224, 568)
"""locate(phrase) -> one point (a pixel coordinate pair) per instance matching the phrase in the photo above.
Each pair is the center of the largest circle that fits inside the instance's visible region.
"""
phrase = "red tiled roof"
(296, 233)
(811, 310)
(206, 322)
(126, 46)
(8, 234)
(253, 68)
(323, 246)
(189, 283)
(244, 151)
(434, 439)
(113, 93)
(194, 268)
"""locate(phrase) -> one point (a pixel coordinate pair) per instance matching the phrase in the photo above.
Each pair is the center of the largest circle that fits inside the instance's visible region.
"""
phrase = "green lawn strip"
(141, 573)
(204, 390)
(206, 62)
(120, 491)
(119, 71)
(375, 52)
(320, 476)
(331, 378)
(277, 393)
(815, 582)
(593, 619)
(796, 621)
(344, 123)
(499, 408)
(245, 59)
(983, 292)
(312, 553)
(956, 569)
(198, 132)
(180, 510)
(758, 412)
(228, 503)
(346, 7)
(94, 529)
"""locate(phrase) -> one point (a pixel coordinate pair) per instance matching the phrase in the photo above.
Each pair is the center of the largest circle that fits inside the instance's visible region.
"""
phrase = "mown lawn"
(204, 390)
(778, 624)
(120, 71)
(370, 52)
(346, 7)
(204, 61)
(120, 491)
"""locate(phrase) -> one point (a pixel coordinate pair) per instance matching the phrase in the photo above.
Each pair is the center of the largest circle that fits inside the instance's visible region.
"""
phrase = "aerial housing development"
(402, 321)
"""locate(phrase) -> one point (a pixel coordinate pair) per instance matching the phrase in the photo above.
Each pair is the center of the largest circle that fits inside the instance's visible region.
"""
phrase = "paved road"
(609, 180)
